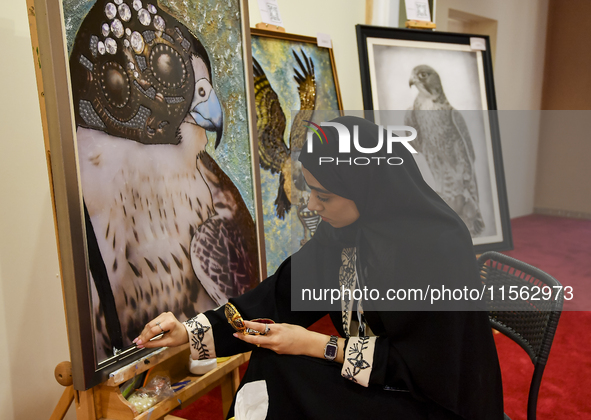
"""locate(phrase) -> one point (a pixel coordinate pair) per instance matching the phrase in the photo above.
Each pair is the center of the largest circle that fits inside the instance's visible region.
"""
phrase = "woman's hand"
(286, 339)
(176, 332)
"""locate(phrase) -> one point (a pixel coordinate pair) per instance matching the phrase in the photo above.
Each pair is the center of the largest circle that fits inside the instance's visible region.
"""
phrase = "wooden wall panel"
(563, 169)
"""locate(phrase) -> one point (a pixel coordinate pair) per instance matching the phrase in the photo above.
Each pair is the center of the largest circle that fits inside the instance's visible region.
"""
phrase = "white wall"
(336, 18)
(521, 41)
(32, 322)
(518, 74)
(518, 69)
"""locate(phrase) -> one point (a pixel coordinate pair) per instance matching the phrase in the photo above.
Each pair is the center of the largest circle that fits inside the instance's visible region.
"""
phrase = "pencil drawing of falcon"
(444, 140)
(274, 154)
(167, 230)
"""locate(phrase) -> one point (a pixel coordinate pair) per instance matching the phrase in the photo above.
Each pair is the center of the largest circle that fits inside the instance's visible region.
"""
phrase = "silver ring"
(267, 329)
(161, 329)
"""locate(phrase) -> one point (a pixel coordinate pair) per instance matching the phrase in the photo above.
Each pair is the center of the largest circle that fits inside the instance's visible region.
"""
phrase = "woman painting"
(382, 227)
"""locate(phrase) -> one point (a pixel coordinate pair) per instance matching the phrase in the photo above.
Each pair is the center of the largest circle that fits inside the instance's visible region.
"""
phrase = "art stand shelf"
(105, 402)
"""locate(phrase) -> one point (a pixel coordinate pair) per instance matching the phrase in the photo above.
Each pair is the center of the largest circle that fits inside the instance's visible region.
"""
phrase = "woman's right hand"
(176, 332)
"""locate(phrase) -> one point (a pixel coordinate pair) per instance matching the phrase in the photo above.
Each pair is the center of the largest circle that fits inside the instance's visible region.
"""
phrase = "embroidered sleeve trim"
(200, 337)
(347, 281)
(359, 359)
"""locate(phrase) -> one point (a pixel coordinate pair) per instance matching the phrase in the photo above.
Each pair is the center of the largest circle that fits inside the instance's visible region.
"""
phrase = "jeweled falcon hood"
(137, 73)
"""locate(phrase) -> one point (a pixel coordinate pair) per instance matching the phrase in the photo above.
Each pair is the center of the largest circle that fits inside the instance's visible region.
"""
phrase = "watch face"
(330, 352)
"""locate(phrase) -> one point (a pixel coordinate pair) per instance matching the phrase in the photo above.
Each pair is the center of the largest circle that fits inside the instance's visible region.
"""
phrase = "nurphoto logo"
(316, 130)
(345, 143)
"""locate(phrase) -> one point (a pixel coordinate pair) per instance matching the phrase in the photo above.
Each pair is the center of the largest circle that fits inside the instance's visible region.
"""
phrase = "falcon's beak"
(411, 81)
(207, 110)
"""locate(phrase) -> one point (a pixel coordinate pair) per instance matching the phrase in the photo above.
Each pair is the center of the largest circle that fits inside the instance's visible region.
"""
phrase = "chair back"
(525, 304)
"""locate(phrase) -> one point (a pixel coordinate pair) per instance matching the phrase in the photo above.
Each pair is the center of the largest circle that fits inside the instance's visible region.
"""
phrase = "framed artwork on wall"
(152, 166)
(295, 80)
(442, 85)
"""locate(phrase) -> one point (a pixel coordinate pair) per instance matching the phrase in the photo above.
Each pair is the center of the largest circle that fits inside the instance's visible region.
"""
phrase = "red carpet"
(561, 247)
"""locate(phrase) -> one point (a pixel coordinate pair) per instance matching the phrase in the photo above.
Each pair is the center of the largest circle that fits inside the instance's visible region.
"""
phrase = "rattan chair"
(529, 322)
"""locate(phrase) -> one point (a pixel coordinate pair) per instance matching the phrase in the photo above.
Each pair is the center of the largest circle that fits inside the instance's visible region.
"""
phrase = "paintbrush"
(117, 352)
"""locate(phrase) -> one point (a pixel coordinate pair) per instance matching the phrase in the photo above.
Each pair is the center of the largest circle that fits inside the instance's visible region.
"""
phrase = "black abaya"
(301, 387)
(424, 364)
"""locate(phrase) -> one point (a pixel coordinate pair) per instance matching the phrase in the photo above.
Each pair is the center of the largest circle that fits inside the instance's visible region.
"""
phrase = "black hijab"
(406, 237)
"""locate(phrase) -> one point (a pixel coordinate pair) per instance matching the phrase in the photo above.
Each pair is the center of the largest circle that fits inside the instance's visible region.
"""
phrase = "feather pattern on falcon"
(274, 154)
(444, 140)
(270, 122)
(143, 99)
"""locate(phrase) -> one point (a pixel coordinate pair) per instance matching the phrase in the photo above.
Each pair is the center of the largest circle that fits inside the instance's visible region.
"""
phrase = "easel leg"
(85, 405)
(235, 380)
(63, 404)
(228, 390)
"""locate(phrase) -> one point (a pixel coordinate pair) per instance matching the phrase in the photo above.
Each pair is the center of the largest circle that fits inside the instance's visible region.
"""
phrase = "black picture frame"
(386, 54)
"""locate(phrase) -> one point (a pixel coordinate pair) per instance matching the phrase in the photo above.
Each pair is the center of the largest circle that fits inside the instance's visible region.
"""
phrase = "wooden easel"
(105, 401)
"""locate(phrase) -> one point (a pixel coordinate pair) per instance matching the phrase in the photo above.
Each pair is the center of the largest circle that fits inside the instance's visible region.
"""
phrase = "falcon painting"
(444, 140)
(274, 154)
(167, 230)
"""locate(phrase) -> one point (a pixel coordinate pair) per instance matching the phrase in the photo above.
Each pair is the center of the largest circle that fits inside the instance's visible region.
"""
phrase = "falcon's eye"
(422, 75)
(201, 92)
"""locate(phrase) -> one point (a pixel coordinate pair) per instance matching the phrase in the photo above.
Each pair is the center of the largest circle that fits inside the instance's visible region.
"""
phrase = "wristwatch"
(331, 348)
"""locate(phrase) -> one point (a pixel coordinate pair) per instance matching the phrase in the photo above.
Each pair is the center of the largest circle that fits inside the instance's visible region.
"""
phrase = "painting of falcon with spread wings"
(274, 154)
(293, 80)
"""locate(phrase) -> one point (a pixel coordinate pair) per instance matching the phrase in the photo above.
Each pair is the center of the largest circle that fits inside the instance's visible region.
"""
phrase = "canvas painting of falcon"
(443, 106)
(439, 85)
(165, 167)
(294, 80)
(443, 138)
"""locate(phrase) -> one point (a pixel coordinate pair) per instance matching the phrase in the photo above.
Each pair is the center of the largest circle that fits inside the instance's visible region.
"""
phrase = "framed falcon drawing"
(295, 82)
(153, 168)
(441, 84)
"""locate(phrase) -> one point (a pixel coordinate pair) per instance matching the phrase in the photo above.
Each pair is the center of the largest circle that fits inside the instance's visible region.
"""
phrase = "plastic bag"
(155, 391)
